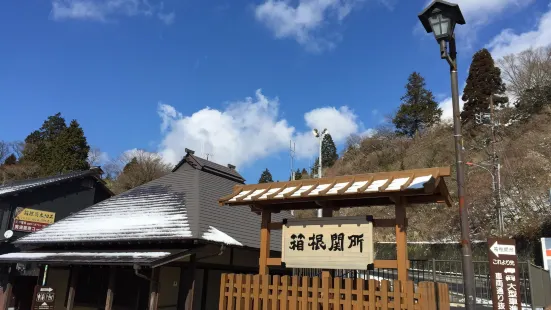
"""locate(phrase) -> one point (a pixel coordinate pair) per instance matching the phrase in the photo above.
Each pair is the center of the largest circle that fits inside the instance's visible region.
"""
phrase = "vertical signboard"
(44, 298)
(504, 275)
(546, 252)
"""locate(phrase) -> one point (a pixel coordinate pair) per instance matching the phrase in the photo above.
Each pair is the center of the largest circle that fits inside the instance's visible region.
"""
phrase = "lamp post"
(320, 136)
(440, 18)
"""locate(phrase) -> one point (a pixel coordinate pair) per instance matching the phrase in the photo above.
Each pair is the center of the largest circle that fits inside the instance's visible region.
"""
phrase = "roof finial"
(190, 152)
(232, 167)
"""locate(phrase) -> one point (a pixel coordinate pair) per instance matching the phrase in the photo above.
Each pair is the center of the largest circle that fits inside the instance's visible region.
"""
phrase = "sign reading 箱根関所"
(328, 243)
(31, 220)
(504, 274)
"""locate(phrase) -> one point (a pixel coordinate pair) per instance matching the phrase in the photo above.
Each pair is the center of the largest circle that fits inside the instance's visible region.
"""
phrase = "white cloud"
(304, 20)
(508, 42)
(104, 10)
(248, 130)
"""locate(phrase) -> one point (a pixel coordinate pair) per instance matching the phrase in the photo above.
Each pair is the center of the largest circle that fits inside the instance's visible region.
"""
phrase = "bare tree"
(95, 157)
(135, 168)
(4, 151)
(526, 70)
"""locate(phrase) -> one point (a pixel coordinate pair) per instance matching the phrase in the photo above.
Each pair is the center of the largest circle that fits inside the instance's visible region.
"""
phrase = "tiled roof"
(209, 165)
(364, 186)
(26, 185)
(180, 205)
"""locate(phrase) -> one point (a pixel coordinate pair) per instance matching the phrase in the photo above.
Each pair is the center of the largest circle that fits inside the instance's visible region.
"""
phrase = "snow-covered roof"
(178, 206)
(96, 257)
(423, 182)
(20, 186)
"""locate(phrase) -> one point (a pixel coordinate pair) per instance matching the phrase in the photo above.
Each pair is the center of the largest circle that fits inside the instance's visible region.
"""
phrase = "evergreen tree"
(56, 148)
(418, 110)
(304, 174)
(10, 160)
(266, 177)
(298, 175)
(328, 152)
(484, 80)
(314, 169)
(132, 163)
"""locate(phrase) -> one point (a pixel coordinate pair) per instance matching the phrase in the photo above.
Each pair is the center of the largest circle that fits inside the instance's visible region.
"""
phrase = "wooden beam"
(154, 289)
(265, 242)
(294, 190)
(387, 264)
(274, 261)
(401, 240)
(377, 223)
(347, 186)
(72, 288)
(110, 289)
(275, 226)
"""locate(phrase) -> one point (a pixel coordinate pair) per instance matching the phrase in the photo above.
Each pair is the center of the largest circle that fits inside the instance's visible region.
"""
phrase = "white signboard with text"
(328, 243)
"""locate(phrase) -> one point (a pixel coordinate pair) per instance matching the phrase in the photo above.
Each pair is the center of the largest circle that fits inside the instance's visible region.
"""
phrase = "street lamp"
(320, 138)
(440, 18)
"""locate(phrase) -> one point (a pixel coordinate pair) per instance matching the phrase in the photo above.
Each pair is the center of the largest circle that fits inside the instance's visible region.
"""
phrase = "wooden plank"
(443, 297)
(256, 292)
(397, 295)
(383, 291)
(315, 293)
(348, 286)
(111, 289)
(274, 296)
(304, 297)
(337, 293)
(223, 301)
(293, 301)
(372, 289)
(264, 242)
(231, 289)
(265, 291)
(255, 197)
(248, 282)
(409, 295)
(366, 185)
(388, 264)
(346, 187)
(294, 190)
(325, 283)
(239, 291)
(401, 240)
(383, 187)
(360, 283)
(275, 226)
(284, 293)
(273, 261)
(328, 188)
(309, 190)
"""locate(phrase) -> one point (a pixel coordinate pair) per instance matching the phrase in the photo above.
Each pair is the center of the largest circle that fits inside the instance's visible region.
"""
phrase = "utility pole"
(292, 155)
(496, 166)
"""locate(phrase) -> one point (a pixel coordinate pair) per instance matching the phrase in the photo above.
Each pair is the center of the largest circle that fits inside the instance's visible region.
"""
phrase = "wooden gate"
(238, 292)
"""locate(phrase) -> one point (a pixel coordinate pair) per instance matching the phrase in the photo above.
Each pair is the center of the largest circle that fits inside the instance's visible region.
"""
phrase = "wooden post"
(265, 242)
(154, 289)
(110, 289)
(8, 291)
(401, 240)
(72, 288)
(327, 273)
(186, 285)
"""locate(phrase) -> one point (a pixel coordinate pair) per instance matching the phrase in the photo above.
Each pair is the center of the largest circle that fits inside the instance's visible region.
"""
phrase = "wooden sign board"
(328, 243)
(44, 298)
(504, 275)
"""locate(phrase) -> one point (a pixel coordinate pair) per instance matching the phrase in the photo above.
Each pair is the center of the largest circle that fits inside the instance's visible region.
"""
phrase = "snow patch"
(216, 235)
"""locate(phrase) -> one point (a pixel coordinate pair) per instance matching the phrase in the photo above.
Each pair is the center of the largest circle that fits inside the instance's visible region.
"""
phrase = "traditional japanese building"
(30, 205)
(161, 245)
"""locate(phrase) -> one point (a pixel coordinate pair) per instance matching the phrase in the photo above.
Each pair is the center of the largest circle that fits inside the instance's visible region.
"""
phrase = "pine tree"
(418, 110)
(484, 81)
(132, 163)
(314, 169)
(266, 177)
(304, 174)
(10, 160)
(298, 175)
(328, 152)
(56, 148)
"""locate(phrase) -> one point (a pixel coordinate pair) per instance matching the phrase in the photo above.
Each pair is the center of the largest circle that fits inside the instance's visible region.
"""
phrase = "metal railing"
(535, 283)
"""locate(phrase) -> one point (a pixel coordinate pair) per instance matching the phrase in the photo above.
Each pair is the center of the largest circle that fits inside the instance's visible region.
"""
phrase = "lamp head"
(440, 18)
(316, 133)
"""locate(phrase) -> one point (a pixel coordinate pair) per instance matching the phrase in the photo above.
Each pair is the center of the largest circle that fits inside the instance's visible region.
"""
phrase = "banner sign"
(504, 274)
(44, 298)
(546, 252)
(30, 220)
(328, 243)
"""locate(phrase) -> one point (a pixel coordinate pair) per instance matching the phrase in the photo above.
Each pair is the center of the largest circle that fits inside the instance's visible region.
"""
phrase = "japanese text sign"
(329, 243)
(30, 220)
(504, 274)
(44, 298)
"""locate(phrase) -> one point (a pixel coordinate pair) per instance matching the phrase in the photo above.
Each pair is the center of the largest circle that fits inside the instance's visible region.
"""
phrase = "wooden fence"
(246, 292)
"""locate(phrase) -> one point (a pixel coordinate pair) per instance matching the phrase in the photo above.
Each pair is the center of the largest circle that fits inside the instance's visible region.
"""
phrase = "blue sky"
(237, 79)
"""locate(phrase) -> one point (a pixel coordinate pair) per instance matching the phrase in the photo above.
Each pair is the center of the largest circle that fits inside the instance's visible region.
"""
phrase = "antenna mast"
(292, 156)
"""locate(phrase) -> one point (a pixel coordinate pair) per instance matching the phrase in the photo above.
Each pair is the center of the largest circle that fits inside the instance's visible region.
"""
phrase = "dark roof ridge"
(210, 167)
